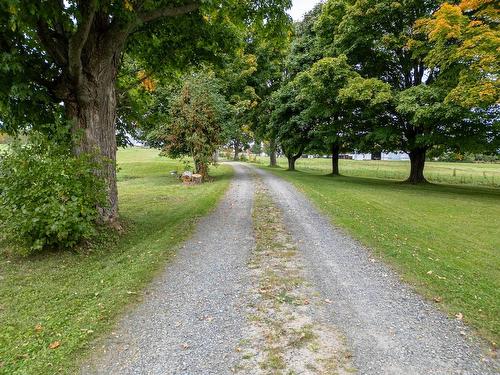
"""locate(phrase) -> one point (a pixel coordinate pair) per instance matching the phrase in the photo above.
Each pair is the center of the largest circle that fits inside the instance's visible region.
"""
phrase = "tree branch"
(53, 47)
(79, 38)
(152, 15)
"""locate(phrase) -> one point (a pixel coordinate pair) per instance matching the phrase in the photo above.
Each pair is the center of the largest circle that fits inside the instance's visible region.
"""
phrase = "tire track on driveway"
(389, 328)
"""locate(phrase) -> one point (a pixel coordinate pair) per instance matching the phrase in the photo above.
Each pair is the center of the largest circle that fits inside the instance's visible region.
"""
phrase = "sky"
(300, 7)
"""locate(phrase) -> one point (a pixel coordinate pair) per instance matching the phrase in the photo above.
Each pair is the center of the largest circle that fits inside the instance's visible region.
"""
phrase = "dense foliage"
(380, 75)
(48, 197)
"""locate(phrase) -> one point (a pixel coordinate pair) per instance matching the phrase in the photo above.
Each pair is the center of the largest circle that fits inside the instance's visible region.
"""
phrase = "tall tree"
(292, 129)
(321, 85)
(70, 52)
(381, 41)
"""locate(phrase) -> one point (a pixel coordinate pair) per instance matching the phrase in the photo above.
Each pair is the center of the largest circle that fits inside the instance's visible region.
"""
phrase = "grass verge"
(69, 299)
(444, 240)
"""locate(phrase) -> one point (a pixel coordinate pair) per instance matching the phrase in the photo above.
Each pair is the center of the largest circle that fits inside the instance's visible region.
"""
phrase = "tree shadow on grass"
(383, 184)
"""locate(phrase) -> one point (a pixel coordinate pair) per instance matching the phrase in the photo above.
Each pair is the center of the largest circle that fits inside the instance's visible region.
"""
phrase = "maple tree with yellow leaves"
(466, 37)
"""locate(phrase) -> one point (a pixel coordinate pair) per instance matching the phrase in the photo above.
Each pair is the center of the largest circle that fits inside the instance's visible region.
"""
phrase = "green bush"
(48, 197)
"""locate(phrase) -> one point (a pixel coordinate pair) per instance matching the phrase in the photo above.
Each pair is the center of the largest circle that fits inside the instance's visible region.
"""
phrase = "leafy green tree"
(321, 85)
(270, 50)
(61, 59)
(198, 114)
(381, 41)
(241, 95)
(293, 130)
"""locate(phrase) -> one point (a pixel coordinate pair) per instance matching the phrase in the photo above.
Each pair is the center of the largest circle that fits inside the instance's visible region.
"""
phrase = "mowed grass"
(484, 174)
(75, 297)
(443, 239)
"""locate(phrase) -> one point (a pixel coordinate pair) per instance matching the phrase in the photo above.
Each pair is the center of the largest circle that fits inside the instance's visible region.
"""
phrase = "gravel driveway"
(391, 330)
(193, 316)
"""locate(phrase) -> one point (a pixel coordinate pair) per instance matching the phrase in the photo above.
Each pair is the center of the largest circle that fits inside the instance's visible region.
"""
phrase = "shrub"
(48, 197)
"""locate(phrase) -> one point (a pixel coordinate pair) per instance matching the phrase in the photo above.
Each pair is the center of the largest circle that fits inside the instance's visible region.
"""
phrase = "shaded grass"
(484, 174)
(75, 297)
(444, 240)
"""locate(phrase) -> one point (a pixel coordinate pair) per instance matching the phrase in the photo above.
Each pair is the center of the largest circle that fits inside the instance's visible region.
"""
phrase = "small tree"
(198, 115)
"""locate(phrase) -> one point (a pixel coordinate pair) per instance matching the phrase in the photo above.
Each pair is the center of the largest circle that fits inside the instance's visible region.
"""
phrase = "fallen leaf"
(55, 345)
(459, 316)
(185, 346)
(38, 328)
(238, 349)
(438, 299)
(328, 301)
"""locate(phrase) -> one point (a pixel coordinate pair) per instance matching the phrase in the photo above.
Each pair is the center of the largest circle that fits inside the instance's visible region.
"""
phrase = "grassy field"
(443, 239)
(75, 297)
(484, 174)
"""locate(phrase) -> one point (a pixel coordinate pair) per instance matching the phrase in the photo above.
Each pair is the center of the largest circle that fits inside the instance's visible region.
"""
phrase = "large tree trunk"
(88, 60)
(94, 129)
(335, 158)
(272, 153)
(292, 159)
(417, 161)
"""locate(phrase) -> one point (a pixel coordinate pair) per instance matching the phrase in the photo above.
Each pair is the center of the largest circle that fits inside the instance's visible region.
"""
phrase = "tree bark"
(292, 159)
(417, 161)
(272, 153)
(236, 152)
(94, 128)
(89, 60)
(335, 158)
(202, 169)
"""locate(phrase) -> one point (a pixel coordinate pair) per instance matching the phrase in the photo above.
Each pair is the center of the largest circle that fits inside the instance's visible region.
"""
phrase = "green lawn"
(485, 174)
(443, 239)
(75, 297)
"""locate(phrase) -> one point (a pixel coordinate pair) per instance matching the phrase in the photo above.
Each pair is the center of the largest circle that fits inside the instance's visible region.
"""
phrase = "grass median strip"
(286, 334)
(53, 306)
